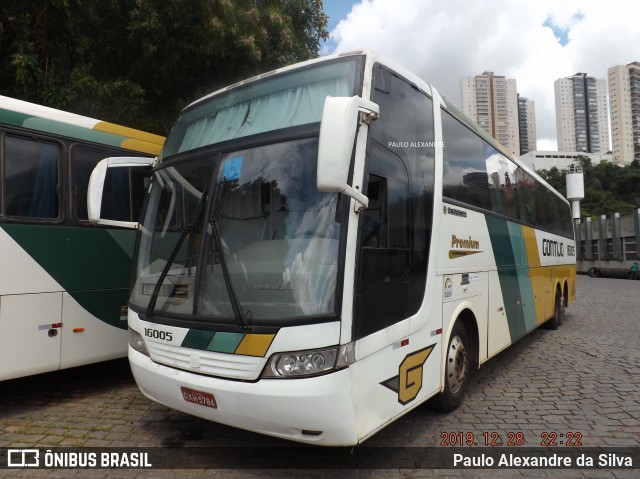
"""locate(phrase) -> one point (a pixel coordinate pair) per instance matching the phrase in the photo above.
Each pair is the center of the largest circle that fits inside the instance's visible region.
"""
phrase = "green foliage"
(608, 188)
(139, 62)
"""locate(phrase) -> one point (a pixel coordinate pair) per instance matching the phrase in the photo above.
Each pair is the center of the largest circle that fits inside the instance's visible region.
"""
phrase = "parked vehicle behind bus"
(64, 281)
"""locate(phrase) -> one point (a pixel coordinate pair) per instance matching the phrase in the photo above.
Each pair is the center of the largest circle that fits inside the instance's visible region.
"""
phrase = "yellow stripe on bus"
(255, 344)
(128, 132)
(143, 146)
(529, 235)
(540, 276)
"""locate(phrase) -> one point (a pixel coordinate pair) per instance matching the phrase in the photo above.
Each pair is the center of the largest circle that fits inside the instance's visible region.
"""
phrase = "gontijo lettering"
(552, 248)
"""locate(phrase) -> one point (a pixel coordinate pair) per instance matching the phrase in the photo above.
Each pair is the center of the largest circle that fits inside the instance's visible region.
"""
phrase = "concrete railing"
(608, 246)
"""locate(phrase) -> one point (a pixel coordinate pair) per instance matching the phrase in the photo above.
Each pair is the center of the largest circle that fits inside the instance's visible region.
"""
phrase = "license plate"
(198, 397)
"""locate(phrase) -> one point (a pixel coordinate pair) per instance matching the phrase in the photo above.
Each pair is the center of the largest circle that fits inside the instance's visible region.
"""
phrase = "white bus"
(64, 282)
(327, 246)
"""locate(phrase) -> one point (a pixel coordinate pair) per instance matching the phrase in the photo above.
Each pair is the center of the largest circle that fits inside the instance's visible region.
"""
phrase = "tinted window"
(477, 174)
(31, 178)
(384, 270)
(502, 175)
(124, 187)
(396, 227)
(123, 193)
(465, 175)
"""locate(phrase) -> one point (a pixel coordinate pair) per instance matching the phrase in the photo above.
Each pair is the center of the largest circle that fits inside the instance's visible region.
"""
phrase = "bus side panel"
(541, 277)
(87, 269)
(85, 338)
(394, 379)
(518, 286)
(525, 284)
(498, 336)
(20, 273)
(29, 334)
(466, 256)
(557, 256)
(462, 293)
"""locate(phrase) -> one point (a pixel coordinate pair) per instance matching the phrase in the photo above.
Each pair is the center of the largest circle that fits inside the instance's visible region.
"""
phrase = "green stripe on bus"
(105, 304)
(73, 131)
(68, 255)
(228, 343)
(197, 339)
(13, 117)
(526, 297)
(225, 342)
(503, 245)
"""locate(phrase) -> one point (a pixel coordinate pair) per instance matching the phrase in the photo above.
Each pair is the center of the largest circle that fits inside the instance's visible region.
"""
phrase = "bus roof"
(41, 118)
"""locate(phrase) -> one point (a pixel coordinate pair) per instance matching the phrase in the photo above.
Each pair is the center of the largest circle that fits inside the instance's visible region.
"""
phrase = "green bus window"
(31, 178)
(124, 187)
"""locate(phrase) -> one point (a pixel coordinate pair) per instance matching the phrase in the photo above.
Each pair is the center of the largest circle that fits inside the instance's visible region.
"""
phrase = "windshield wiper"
(241, 316)
(165, 271)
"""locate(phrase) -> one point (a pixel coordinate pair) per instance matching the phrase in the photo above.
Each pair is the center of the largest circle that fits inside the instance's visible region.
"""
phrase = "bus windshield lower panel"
(278, 237)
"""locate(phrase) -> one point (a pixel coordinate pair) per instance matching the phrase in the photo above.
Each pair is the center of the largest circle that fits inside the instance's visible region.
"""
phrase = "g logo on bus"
(408, 382)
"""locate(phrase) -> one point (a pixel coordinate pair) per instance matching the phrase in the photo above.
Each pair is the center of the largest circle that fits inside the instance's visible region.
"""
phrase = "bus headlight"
(137, 343)
(308, 363)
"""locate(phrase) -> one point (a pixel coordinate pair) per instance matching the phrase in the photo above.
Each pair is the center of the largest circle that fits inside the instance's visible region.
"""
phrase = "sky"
(534, 41)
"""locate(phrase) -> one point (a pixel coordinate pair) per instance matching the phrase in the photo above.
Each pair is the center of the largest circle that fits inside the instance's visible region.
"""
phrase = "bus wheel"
(457, 370)
(558, 312)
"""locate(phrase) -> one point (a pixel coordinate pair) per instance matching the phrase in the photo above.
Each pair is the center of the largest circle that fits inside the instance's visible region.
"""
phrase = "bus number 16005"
(154, 333)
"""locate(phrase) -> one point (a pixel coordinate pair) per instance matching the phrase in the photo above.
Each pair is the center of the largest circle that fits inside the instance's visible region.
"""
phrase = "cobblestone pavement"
(583, 377)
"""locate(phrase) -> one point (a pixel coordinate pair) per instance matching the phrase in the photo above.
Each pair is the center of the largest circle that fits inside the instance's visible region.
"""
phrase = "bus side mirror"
(96, 187)
(341, 118)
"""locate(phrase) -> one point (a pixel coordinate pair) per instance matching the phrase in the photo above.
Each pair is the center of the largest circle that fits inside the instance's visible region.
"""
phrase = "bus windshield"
(278, 236)
(240, 232)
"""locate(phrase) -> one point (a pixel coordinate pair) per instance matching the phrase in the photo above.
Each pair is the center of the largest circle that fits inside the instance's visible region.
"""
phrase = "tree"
(608, 188)
(556, 178)
(139, 62)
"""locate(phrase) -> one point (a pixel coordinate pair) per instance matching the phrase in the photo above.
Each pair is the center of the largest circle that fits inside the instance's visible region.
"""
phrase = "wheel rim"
(456, 364)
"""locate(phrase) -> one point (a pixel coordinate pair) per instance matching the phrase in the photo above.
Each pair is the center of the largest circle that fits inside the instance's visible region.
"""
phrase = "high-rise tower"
(582, 121)
(527, 124)
(624, 93)
(491, 101)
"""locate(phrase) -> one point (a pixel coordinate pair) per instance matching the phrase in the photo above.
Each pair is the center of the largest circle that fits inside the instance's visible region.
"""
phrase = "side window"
(123, 193)
(383, 288)
(465, 175)
(374, 235)
(124, 187)
(562, 218)
(527, 205)
(83, 160)
(502, 173)
(396, 227)
(384, 223)
(31, 172)
(477, 174)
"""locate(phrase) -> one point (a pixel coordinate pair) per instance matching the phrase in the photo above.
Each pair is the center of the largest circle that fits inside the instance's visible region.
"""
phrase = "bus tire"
(457, 370)
(558, 312)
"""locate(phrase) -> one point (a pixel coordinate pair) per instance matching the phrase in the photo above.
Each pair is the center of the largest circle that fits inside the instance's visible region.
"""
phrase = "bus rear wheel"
(457, 370)
(558, 312)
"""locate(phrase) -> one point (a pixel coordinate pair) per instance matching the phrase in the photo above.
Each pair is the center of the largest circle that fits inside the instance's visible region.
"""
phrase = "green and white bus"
(64, 281)
(327, 246)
